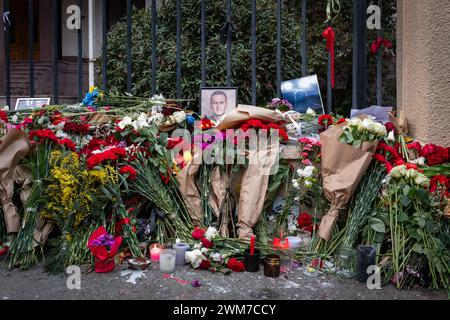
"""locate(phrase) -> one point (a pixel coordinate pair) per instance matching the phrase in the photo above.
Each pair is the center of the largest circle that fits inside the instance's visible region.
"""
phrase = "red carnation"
(415, 146)
(325, 120)
(164, 178)
(341, 120)
(76, 128)
(204, 265)
(3, 116)
(235, 265)
(130, 171)
(198, 233)
(172, 142)
(42, 134)
(206, 124)
(428, 149)
(380, 158)
(304, 220)
(437, 181)
(440, 156)
(207, 244)
(66, 142)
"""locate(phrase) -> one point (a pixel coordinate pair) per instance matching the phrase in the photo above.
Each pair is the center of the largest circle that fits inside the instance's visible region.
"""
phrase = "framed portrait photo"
(216, 102)
(31, 103)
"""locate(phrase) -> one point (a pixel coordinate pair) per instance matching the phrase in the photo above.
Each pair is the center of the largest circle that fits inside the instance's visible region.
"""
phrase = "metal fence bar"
(178, 45)
(203, 41)
(80, 54)
(129, 58)
(31, 45)
(154, 26)
(304, 56)
(278, 48)
(254, 52)
(55, 31)
(104, 44)
(229, 35)
(7, 56)
(380, 64)
(359, 54)
(329, 82)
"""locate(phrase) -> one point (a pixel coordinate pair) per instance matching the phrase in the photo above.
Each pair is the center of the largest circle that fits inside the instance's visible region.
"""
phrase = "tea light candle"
(167, 260)
(180, 249)
(155, 251)
(294, 242)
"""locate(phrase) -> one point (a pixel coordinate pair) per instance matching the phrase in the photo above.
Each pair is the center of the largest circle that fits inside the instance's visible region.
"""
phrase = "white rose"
(194, 257)
(308, 183)
(354, 122)
(295, 184)
(381, 131)
(398, 172)
(204, 250)
(419, 161)
(311, 112)
(179, 116)
(421, 180)
(15, 118)
(211, 233)
(391, 136)
(157, 119)
(411, 173)
(126, 121)
(217, 257)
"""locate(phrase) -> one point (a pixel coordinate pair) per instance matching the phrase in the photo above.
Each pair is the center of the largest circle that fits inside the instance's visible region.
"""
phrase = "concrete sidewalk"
(154, 285)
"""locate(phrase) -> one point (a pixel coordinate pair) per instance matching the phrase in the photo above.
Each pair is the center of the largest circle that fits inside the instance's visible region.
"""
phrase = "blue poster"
(303, 93)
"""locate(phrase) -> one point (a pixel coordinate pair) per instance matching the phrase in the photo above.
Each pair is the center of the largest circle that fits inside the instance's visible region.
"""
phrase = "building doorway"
(19, 31)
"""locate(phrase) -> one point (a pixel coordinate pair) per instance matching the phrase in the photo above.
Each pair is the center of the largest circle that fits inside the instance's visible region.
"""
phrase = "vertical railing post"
(253, 52)
(178, 45)
(31, 44)
(304, 56)
(329, 80)
(278, 13)
(129, 45)
(154, 26)
(80, 54)
(359, 54)
(104, 44)
(203, 41)
(229, 35)
(7, 56)
(55, 32)
(380, 63)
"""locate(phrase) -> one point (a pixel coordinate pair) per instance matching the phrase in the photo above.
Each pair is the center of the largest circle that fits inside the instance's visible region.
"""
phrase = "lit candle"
(167, 260)
(252, 246)
(155, 252)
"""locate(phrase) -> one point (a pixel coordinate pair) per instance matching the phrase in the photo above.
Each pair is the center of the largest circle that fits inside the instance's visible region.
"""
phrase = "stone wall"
(423, 68)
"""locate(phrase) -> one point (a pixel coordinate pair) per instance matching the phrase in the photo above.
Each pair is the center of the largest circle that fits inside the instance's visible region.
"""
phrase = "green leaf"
(349, 136)
(402, 217)
(377, 225)
(419, 232)
(423, 195)
(405, 201)
(417, 247)
(406, 190)
(357, 144)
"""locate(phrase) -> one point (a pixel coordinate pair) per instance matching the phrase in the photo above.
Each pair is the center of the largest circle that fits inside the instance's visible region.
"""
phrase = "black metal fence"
(359, 57)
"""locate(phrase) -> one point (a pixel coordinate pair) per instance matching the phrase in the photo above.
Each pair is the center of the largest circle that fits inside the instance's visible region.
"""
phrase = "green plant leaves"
(377, 225)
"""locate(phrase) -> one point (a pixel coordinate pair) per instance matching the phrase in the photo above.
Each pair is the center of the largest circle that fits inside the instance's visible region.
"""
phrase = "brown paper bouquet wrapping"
(255, 177)
(342, 169)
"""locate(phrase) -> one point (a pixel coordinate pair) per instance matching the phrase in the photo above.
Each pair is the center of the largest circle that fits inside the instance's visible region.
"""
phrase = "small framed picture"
(31, 103)
(216, 102)
(303, 93)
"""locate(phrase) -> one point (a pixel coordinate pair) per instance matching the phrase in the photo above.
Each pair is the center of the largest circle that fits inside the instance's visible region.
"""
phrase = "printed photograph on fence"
(217, 102)
(303, 93)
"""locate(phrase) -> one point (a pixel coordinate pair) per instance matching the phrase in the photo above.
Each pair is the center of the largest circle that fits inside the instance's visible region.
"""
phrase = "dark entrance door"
(19, 32)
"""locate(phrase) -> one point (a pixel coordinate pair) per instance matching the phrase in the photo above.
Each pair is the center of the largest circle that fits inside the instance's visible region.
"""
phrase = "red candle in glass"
(252, 245)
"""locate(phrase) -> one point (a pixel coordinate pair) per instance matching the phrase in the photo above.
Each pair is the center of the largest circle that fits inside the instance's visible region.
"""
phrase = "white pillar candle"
(180, 249)
(167, 260)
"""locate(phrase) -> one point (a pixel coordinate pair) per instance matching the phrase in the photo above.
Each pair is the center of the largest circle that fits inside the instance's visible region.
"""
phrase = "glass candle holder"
(180, 249)
(346, 262)
(272, 266)
(167, 260)
(155, 251)
(286, 260)
(312, 265)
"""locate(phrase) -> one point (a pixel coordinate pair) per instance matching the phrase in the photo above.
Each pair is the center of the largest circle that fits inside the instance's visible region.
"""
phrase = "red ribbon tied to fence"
(329, 35)
(377, 44)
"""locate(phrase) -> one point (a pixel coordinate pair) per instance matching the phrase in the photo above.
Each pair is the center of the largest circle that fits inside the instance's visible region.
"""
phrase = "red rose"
(207, 244)
(428, 150)
(3, 116)
(440, 156)
(304, 220)
(325, 120)
(132, 173)
(415, 146)
(235, 265)
(390, 127)
(341, 120)
(204, 265)
(198, 233)
(67, 143)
